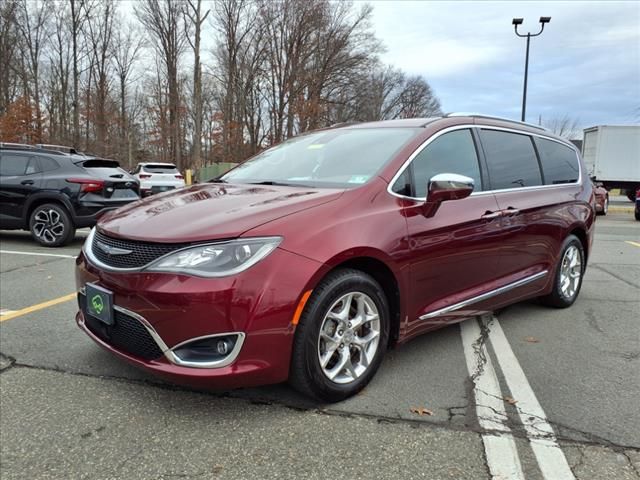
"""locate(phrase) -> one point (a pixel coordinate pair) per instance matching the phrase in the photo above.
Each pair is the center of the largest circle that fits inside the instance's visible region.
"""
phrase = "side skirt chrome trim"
(484, 296)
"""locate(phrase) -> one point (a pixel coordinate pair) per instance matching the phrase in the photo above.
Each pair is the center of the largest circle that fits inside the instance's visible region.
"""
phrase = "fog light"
(207, 350)
(222, 347)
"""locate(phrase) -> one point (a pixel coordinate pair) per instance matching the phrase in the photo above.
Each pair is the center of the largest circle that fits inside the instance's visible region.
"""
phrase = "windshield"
(333, 158)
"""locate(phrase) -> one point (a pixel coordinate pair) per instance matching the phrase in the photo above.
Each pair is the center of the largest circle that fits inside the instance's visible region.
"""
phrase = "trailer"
(612, 156)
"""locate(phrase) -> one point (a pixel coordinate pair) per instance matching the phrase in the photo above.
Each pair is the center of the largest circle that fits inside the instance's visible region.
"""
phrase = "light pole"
(516, 22)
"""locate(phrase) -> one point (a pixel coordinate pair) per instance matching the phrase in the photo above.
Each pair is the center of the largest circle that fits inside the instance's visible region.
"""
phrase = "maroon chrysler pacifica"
(309, 260)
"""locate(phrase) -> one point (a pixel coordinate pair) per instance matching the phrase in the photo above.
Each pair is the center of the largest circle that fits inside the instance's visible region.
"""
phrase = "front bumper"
(258, 304)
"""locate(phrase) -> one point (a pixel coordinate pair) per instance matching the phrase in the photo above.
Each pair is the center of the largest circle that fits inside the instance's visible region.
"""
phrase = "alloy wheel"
(349, 337)
(570, 272)
(48, 225)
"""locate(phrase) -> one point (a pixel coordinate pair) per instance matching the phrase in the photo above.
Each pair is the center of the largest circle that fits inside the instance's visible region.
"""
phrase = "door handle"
(511, 212)
(26, 182)
(489, 215)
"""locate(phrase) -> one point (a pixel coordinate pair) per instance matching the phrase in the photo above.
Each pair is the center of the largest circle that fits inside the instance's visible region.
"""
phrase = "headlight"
(217, 259)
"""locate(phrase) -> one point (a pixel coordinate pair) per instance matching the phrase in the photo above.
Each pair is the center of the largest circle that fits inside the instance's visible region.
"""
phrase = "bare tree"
(193, 13)
(164, 20)
(9, 48)
(79, 10)
(100, 36)
(33, 27)
(278, 68)
(564, 126)
(127, 47)
(417, 99)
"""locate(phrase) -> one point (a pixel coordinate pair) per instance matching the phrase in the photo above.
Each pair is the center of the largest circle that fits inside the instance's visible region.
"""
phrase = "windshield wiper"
(271, 182)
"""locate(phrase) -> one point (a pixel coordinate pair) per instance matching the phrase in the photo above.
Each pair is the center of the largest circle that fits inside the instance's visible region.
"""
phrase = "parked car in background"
(157, 177)
(51, 193)
(602, 198)
(312, 258)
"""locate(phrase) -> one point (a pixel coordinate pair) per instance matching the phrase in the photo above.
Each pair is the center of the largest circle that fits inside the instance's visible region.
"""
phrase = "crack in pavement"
(615, 275)
(37, 264)
(474, 426)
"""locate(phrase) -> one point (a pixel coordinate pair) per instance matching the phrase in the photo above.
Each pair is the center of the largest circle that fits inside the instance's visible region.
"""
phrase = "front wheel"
(341, 337)
(569, 272)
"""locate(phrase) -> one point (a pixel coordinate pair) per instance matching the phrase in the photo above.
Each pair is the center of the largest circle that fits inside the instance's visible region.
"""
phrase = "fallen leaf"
(421, 411)
(510, 400)
(531, 340)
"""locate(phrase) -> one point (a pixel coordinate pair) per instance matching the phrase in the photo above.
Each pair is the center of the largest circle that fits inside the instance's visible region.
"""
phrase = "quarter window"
(47, 164)
(559, 162)
(453, 152)
(511, 159)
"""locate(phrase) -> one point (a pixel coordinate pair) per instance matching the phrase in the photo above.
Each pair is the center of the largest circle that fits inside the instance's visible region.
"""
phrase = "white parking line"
(14, 252)
(500, 447)
(551, 459)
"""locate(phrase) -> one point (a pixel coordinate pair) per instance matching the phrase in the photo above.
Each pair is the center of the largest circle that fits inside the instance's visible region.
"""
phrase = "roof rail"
(58, 148)
(20, 146)
(493, 117)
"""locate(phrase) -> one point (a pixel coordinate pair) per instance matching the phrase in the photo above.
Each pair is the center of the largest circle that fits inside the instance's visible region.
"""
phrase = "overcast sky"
(585, 64)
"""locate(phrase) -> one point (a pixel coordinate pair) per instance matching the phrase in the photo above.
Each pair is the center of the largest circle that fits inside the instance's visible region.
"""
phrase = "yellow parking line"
(38, 306)
(635, 244)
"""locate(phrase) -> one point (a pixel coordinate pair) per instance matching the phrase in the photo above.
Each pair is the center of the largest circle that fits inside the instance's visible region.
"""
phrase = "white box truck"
(612, 156)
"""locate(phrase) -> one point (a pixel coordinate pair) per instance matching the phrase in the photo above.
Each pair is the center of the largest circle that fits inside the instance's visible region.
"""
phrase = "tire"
(51, 225)
(565, 297)
(631, 195)
(321, 312)
(605, 207)
(637, 215)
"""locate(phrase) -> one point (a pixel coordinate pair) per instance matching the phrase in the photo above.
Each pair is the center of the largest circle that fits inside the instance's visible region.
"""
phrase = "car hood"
(210, 211)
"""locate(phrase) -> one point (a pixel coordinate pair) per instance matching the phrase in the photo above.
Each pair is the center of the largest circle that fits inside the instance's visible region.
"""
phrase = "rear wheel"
(569, 272)
(605, 206)
(51, 225)
(341, 337)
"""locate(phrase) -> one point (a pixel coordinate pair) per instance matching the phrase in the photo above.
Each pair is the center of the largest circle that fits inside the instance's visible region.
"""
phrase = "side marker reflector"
(301, 304)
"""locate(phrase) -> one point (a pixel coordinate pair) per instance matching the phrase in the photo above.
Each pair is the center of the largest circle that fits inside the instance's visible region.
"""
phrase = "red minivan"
(308, 261)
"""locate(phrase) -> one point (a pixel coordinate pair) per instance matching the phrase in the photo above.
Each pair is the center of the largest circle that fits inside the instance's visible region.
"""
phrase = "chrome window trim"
(168, 352)
(424, 144)
(484, 296)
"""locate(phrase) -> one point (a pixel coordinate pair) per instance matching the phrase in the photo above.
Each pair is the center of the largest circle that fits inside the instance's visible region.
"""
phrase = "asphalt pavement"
(534, 392)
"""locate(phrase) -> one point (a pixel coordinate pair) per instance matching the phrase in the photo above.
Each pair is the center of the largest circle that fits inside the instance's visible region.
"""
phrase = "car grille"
(127, 334)
(142, 253)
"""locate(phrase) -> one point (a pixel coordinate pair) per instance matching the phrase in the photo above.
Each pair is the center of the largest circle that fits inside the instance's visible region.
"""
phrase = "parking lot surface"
(530, 393)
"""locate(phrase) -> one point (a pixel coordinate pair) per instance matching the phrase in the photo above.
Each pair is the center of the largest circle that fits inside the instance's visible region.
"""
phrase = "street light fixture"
(516, 22)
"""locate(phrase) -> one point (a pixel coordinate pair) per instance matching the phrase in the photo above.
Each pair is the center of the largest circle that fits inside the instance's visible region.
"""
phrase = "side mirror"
(446, 186)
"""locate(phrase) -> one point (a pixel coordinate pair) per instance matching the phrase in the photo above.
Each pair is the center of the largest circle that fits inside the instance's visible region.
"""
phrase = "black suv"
(51, 192)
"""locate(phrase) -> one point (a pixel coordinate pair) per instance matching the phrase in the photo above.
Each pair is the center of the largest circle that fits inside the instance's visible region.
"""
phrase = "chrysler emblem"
(109, 250)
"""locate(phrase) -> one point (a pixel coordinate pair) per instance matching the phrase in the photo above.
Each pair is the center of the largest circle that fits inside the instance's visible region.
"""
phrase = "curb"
(621, 209)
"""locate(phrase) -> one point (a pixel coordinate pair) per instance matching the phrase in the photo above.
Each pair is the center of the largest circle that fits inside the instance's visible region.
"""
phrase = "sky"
(586, 63)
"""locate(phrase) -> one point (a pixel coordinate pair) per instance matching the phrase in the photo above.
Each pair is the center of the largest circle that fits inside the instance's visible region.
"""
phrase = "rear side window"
(511, 159)
(453, 152)
(559, 162)
(12, 165)
(160, 168)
